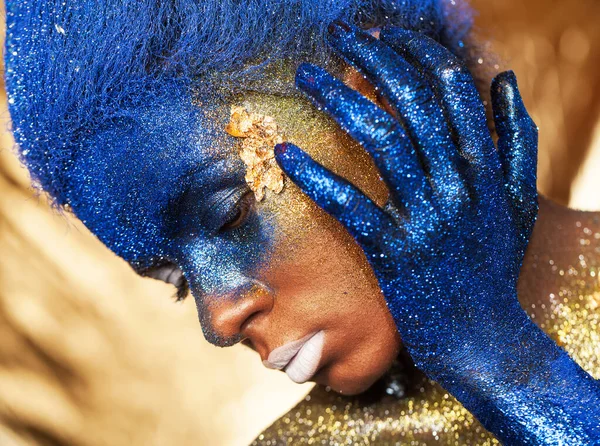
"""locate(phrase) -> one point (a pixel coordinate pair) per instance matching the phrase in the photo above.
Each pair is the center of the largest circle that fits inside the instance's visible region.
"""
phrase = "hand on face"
(448, 247)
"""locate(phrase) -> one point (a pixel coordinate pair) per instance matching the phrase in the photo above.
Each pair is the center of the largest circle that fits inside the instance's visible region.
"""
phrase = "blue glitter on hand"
(448, 248)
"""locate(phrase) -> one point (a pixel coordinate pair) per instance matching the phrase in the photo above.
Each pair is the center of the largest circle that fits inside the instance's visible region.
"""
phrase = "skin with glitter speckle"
(146, 163)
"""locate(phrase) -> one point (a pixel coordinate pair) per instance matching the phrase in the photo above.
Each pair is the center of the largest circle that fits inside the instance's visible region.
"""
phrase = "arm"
(525, 389)
(448, 248)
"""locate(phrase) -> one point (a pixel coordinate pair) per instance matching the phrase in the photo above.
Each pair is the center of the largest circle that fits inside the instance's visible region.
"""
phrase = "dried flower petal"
(259, 135)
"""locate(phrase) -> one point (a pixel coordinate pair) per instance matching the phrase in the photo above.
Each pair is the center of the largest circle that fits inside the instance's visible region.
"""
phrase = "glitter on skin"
(133, 139)
(449, 269)
(422, 412)
(574, 316)
(155, 176)
(106, 179)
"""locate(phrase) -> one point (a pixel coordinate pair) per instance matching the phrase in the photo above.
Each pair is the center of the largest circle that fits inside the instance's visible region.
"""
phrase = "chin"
(347, 382)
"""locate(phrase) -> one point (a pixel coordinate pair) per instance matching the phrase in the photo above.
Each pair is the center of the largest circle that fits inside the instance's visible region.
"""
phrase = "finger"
(455, 89)
(366, 222)
(517, 146)
(411, 97)
(377, 131)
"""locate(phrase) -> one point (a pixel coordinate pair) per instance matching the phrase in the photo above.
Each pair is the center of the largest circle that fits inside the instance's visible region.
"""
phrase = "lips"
(300, 359)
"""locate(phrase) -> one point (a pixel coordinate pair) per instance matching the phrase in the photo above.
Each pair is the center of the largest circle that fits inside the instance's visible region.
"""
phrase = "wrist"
(526, 389)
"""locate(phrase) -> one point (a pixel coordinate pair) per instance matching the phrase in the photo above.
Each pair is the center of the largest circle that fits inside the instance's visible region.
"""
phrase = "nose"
(228, 319)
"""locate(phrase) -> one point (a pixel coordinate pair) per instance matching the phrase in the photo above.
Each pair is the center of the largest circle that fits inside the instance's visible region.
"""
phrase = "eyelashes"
(198, 215)
(183, 290)
(171, 274)
(241, 211)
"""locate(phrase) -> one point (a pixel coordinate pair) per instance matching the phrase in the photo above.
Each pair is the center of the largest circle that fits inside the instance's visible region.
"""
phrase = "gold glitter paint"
(425, 414)
(312, 290)
(574, 316)
(298, 221)
(430, 417)
(259, 135)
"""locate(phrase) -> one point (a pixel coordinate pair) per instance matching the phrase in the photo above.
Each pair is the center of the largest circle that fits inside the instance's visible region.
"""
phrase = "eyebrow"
(192, 175)
(188, 180)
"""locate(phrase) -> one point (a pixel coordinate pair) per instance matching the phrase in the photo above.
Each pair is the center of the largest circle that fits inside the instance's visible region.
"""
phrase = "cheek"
(315, 262)
(323, 281)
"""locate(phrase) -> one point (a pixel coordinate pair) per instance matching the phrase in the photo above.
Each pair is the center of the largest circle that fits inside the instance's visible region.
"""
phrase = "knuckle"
(384, 133)
(345, 200)
(531, 125)
(381, 133)
(301, 171)
(453, 72)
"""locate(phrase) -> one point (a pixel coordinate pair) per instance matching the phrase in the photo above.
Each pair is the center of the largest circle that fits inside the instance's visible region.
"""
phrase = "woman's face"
(317, 278)
(272, 272)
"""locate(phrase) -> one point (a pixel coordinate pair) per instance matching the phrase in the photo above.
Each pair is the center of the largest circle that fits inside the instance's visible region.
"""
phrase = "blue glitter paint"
(118, 109)
(122, 127)
(190, 188)
(99, 60)
(451, 284)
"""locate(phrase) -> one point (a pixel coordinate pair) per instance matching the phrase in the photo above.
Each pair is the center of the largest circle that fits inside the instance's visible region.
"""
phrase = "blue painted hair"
(76, 67)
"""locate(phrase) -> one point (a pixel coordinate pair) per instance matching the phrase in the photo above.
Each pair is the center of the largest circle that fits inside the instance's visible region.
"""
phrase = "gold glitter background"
(91, 354)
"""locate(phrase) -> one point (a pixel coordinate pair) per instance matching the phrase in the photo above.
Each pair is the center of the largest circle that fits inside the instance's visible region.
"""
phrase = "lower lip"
(305, 363)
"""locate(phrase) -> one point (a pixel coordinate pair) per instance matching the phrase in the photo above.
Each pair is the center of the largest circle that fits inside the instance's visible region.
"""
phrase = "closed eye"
(242, 210)
(171, 274)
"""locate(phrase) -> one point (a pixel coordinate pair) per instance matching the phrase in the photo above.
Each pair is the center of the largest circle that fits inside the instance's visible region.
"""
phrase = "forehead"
(133, 168)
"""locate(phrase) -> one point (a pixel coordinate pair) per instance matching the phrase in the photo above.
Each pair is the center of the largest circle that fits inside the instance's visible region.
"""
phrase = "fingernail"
(307, 76)
(506, 76)
(337, 28)
(281, 149)
(507, 80)
(305, 73)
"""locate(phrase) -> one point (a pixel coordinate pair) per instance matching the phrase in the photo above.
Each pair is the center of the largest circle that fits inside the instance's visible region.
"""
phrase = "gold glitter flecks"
(431, 418)
(574, 321)
(259, 134)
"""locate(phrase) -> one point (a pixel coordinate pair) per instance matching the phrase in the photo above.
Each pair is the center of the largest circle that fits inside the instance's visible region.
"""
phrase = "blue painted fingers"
(378, 132)
(517, 146)
(455, 89)
(448, 263)
(410, 96)
(368, 224)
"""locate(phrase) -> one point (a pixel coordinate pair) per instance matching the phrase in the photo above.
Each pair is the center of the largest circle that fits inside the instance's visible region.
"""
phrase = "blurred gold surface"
(91, 354)
(554, 48)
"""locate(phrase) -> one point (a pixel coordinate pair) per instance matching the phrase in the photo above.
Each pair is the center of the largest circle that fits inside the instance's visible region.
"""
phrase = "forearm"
(526, 389)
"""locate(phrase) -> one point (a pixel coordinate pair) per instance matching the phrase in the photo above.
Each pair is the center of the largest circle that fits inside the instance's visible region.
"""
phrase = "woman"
(152, 106)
